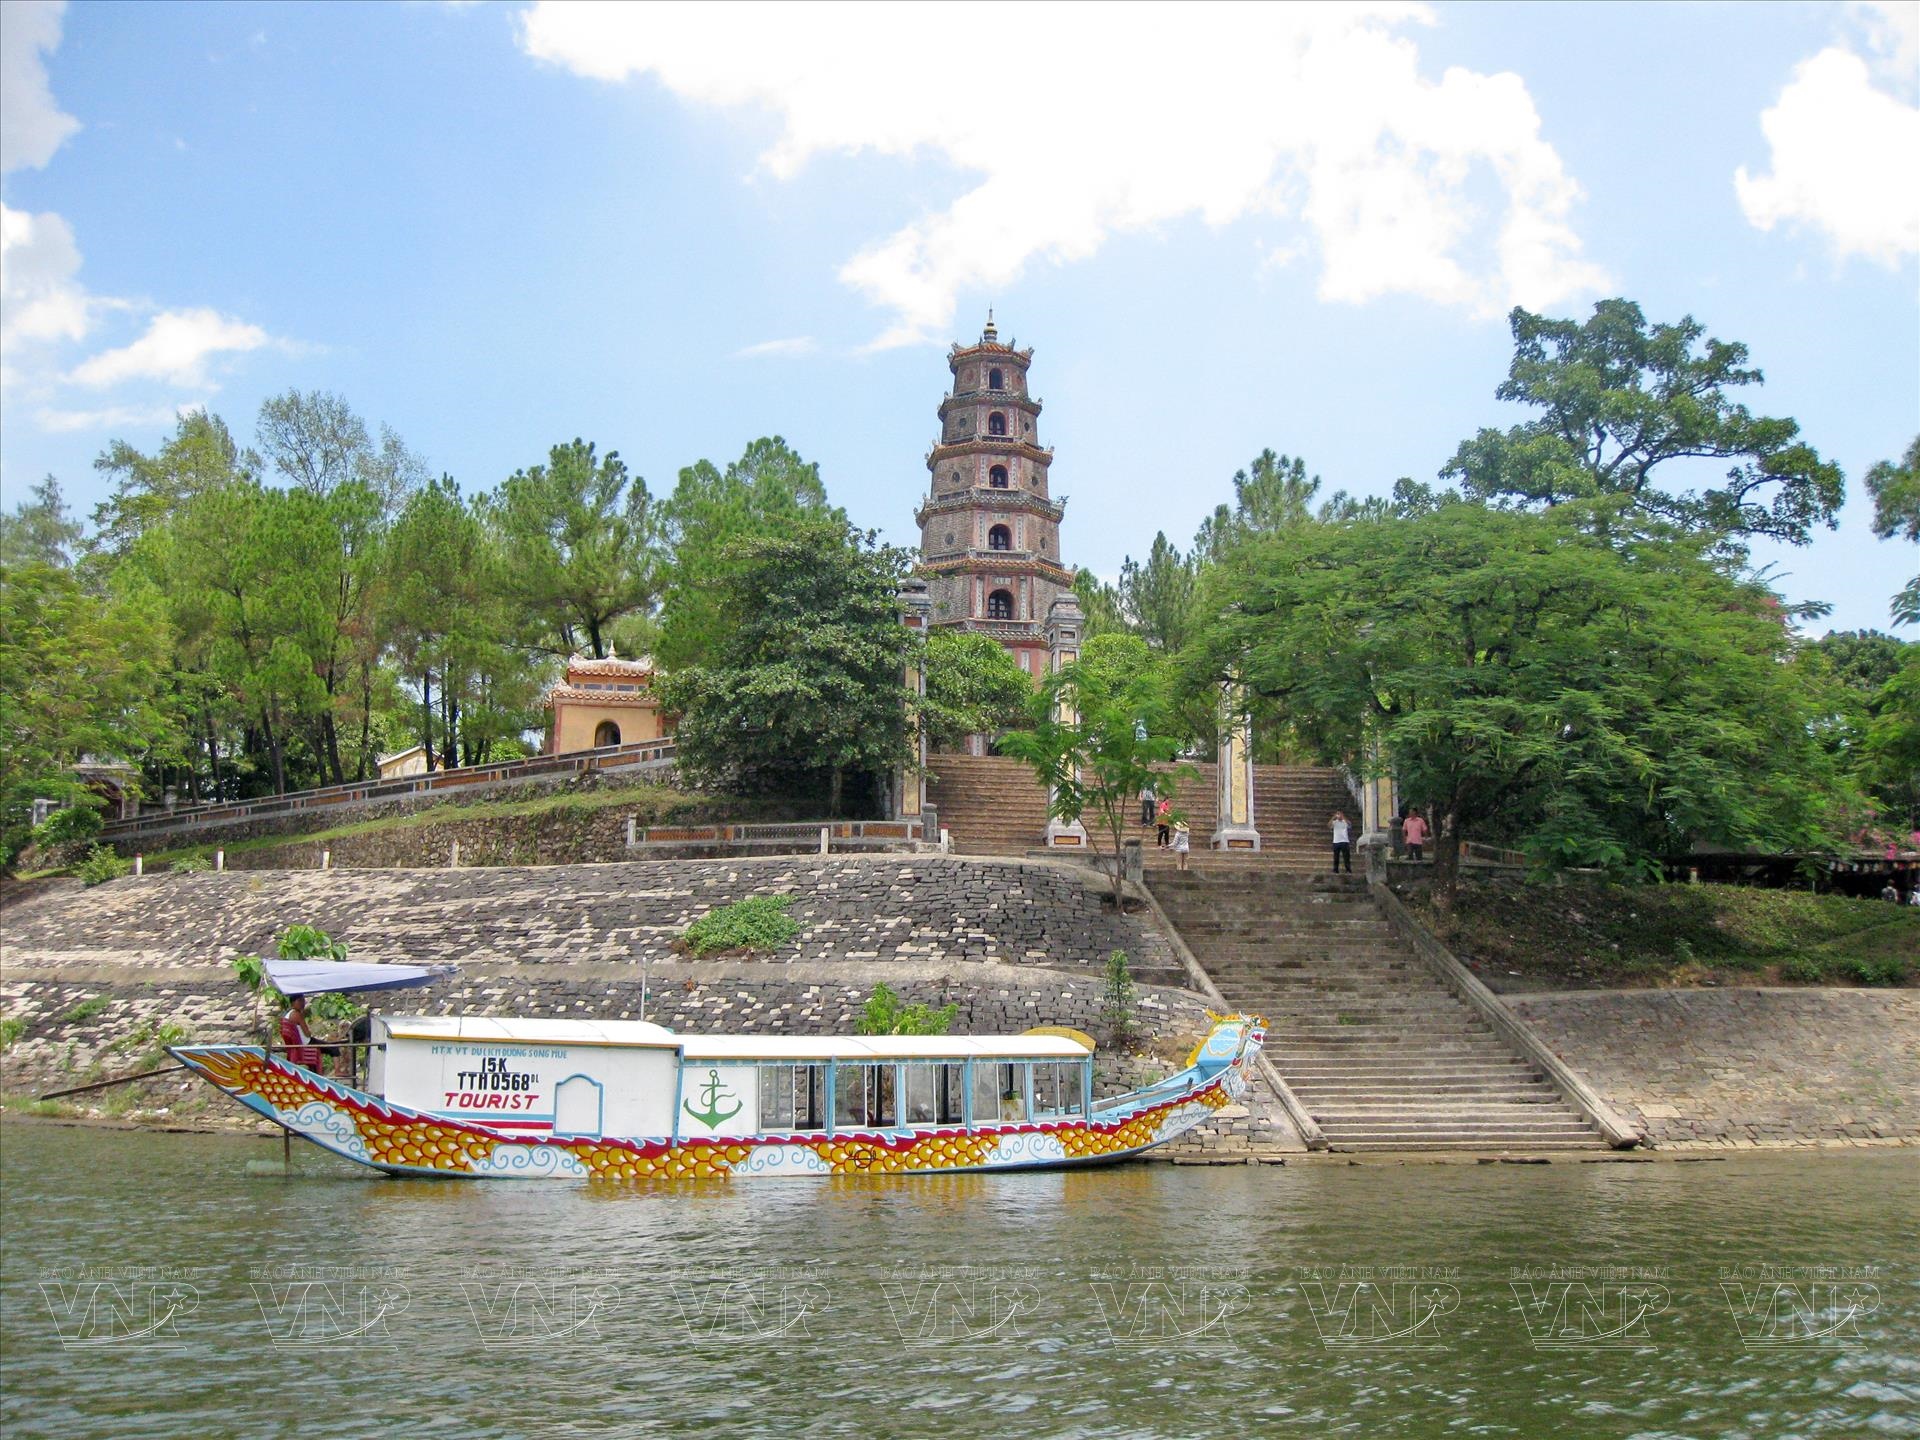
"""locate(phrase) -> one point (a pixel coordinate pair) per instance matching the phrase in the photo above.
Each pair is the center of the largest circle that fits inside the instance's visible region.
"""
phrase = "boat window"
(1056, 1089)
(863, 1097)
(999, 1092)
(935, 1094)
(791, 1097)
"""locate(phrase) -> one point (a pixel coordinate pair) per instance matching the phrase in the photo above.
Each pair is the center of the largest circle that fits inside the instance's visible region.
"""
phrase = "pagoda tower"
(989, 531)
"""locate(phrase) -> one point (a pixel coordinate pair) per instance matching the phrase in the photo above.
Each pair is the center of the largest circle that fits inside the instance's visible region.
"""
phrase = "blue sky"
(669, 230)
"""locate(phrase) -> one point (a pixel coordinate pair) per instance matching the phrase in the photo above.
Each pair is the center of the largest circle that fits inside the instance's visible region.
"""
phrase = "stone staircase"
(1376, 1048)
(992, 805)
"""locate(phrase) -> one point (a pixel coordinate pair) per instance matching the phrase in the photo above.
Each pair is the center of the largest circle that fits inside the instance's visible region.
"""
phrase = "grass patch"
(1593, 933)
(654, 802)
(86, 1010)
(760, 922)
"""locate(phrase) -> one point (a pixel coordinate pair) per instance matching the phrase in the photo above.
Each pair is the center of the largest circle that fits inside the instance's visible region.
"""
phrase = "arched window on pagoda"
(996, 424)
(999, 538)
(997, 477)
(1000, 605)
(993, 380)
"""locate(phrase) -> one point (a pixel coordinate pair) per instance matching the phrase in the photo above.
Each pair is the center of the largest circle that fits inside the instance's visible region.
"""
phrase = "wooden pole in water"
(103, 1084)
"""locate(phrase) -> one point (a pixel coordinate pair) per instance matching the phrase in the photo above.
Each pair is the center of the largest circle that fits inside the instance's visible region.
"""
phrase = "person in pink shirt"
(1416, 834)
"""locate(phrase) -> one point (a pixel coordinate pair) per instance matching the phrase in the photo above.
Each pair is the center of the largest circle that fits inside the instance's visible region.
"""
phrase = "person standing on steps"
(1416, 834)
(1164, 837)
(1342, 843)
(1147, 796)
(1182, 841)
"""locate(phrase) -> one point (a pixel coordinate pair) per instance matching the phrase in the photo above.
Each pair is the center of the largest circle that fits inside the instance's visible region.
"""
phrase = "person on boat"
(297, 1038)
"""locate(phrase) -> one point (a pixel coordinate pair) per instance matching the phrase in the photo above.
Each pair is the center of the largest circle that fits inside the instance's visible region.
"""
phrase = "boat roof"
(496, 1030)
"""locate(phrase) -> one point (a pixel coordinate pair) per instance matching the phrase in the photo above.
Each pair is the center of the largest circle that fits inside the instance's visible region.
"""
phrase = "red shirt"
(300, 1047)
(1416, 830)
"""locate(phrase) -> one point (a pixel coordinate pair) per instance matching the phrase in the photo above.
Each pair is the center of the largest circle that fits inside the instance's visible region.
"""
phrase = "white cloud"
(1844, 155)
(39, 299)
(798, 345)
(114, 417)
(1891, 31)
(1080, 125)
(32, 126)
(175, 349)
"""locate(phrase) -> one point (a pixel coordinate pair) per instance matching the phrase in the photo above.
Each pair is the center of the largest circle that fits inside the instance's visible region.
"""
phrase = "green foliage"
(759, 922)
(974, 687)
(12, 1027)
(578, 538)
(299, 942)
(193, 862)
(102, 865)
(40, 531)
(1588, 932)
(883, 1014)
(804, 686)
(707, 525)
(1096, 736)
(1896, 515)
(148, 1041)
(85, 1010)
(1622, 400)
(309, 942)
(1529, 682)
(1118, 995)
(64, 834)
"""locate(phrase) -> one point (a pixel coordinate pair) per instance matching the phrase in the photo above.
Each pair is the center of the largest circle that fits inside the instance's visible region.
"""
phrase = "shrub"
(12, 1027)
(85, 1010)
(300, 942)
(1807, 969)
(1877, 970)
(102, 865)
(67, 829)
(151, 1040)
(885, 1015)
(194, 862)
(760, 922)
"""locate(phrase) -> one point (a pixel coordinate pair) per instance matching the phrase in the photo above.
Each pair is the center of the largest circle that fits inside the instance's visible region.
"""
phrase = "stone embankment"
(1013, 944)
(1744, 1067)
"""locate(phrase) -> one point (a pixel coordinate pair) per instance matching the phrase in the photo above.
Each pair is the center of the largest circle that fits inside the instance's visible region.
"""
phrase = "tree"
(1274, 493)
(1100, 603)
(40, 531)
(79, 671)
(1095, 736)
(319, 444)
(579, 541)
(148, 490)
(1158, 595)
(1626, 404)
(974, 687)
(704, 524)
(804, 687)
(1896, 514)
(1524, 678)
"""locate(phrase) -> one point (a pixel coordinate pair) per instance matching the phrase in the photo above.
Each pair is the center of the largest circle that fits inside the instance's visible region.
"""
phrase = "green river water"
(150, 1287)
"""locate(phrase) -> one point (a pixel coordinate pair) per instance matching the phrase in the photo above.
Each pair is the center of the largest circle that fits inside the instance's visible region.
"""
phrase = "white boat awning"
(795, 1049)
(315, 977)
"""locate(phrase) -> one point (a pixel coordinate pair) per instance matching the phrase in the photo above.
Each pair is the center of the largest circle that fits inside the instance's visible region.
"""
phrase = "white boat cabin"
(628, 1079)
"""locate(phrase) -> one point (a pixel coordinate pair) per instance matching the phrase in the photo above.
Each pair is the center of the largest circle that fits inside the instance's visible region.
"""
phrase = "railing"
(807, 834)
(658, 753)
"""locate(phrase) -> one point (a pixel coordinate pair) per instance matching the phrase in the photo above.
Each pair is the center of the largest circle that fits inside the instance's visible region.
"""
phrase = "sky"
(671, 230)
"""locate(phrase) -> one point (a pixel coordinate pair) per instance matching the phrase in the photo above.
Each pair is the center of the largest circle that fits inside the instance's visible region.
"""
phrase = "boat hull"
(400, 1141)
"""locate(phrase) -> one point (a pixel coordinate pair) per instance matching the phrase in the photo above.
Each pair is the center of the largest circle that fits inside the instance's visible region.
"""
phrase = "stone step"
(1366, 1144)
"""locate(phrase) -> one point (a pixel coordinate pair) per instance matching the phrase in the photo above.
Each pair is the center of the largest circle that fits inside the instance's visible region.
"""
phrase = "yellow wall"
(575, 722)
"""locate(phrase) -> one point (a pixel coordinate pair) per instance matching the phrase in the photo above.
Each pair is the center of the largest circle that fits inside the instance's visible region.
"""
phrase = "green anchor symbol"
(710, 1097)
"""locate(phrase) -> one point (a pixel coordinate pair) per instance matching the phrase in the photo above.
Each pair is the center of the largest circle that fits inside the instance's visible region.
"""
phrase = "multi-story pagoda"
(989, 533)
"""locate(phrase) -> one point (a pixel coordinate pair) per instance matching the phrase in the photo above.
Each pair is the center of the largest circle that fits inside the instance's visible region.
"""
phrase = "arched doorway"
(605, 733)
(999, 538)
(997, 477)
(1000, 605)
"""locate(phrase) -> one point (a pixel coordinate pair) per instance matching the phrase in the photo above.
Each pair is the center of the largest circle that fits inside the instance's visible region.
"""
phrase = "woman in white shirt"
(1342, 843)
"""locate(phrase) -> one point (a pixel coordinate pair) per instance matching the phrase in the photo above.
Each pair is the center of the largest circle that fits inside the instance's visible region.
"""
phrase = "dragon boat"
(518, 1099)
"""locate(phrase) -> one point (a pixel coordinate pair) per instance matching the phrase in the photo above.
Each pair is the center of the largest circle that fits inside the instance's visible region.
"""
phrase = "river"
(150, 1286)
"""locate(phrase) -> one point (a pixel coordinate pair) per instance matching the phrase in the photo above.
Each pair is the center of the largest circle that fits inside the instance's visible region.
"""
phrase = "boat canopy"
(315, 977)
(794, 1049)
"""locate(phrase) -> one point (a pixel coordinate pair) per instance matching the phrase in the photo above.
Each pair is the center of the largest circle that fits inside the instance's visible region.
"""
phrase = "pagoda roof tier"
(1003, 398)
(998, 562)
(982, 497)
(989, 445)
(609, 665)
(580, 693)
(1002, 630)
(961, 352)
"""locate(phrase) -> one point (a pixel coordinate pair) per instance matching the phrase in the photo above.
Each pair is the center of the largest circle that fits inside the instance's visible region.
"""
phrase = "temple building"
(989, 531)
(604, 702)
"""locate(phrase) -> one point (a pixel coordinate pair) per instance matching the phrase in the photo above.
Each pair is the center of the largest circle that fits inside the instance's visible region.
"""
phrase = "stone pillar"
(1065, 625)
(1379, 809)
(910, 781)
(1234, 828)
